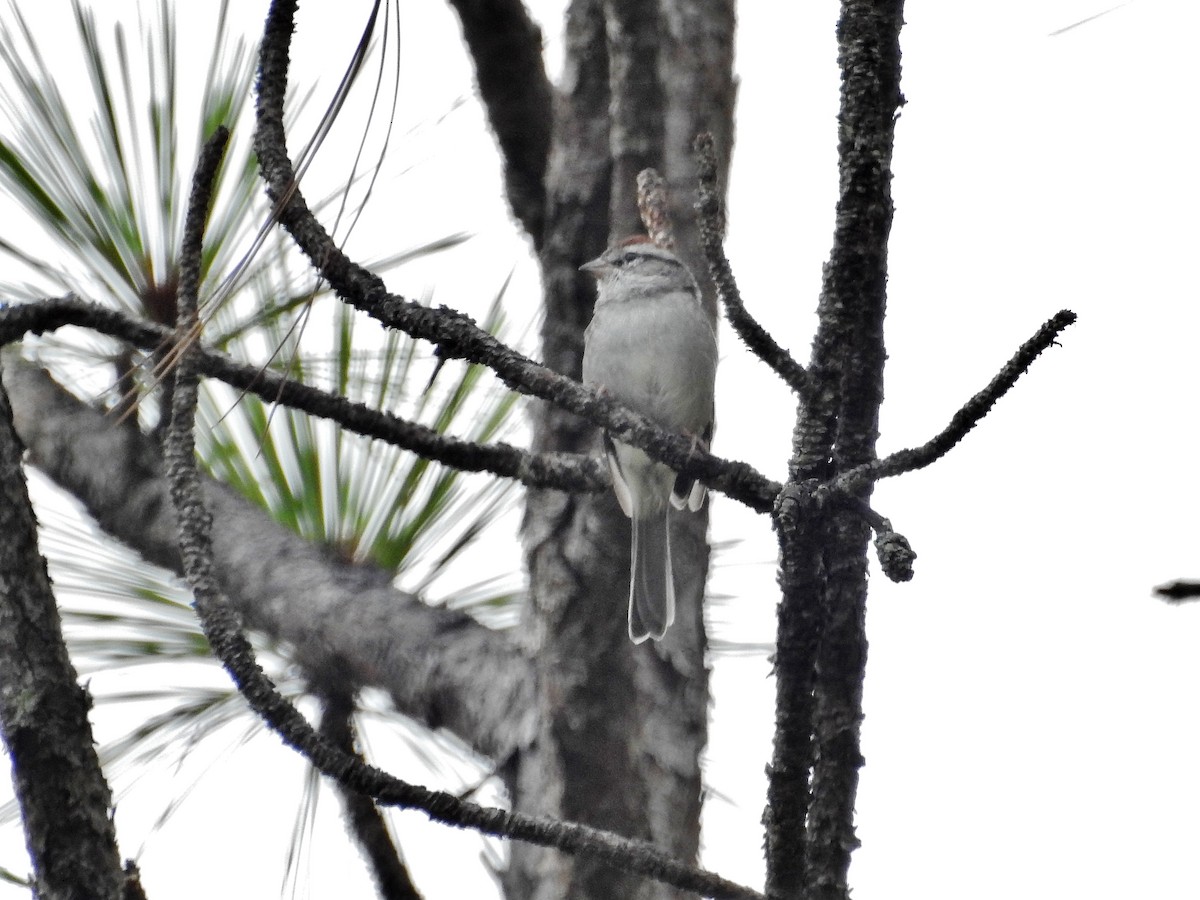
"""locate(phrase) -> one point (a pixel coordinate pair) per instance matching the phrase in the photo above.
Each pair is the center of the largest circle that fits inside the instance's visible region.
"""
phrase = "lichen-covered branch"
(822, 645)
(967, 417)
(711, 220)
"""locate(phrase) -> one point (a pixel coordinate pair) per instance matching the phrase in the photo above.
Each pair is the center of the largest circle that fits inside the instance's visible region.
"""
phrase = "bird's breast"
(656, 355)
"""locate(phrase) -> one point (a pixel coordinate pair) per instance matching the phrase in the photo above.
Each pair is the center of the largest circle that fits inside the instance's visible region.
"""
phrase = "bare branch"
(895, 553)
(563, 471)
(852, 307)
(814, 772)
(711, 218)
(964, 420)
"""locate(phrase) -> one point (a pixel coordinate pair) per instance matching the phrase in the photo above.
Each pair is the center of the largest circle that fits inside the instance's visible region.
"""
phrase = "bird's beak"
(596, 267)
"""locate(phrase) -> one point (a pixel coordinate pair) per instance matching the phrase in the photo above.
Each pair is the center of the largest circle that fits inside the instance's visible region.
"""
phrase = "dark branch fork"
(895, 552)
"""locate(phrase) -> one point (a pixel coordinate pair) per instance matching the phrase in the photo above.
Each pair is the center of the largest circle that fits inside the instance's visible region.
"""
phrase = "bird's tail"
(651, 583)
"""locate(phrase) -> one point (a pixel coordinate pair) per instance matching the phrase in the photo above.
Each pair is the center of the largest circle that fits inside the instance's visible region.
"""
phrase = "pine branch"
(438, 665)
(563, 471)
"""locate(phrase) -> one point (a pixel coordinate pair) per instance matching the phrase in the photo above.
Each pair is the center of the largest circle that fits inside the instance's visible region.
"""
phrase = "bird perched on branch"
(651, 347)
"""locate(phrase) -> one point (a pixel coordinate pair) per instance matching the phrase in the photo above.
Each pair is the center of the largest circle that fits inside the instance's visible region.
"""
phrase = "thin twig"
(963, 421)
(363, 818)
(712, 235)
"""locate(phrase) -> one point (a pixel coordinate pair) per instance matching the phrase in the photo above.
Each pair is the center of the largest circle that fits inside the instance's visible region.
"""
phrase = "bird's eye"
(628, 257)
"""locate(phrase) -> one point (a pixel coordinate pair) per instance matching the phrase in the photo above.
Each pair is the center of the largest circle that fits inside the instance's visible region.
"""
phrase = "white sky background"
(1031, 725)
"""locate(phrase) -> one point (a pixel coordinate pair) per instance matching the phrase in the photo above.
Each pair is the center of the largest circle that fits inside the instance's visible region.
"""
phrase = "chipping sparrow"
(650, 346)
